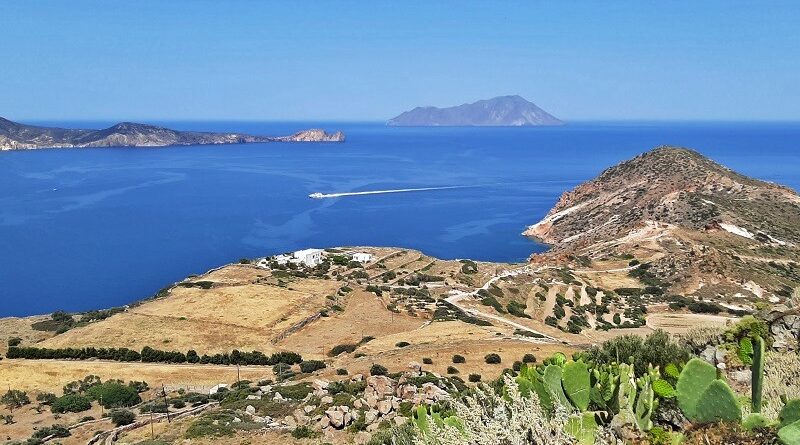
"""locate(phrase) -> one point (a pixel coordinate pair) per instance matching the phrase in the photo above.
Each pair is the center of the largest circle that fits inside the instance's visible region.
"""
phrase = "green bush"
(114, 395)
(402, 344)
(122, 417)
(71, 403)
(459, 359)
(427, 361)
(15, 398)
(529, 358)
(474, 378)
(311, 366)
(341, 371)
(377, 369)
(657, 349)
(304, 432)
(341, 349)
(452, 370)
(14, 341)
(492, 359)
(294, 392)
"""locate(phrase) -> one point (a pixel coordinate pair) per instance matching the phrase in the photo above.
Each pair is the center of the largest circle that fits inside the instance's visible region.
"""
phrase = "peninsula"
(503, 111)
(17, 136)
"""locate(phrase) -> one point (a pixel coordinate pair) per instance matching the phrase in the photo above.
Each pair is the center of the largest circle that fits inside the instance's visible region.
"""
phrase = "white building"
(308, 257)
(362, 257)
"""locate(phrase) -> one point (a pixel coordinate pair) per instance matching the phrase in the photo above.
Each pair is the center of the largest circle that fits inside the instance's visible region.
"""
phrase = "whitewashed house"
(283, 259)
(308, 257)
(362, 257)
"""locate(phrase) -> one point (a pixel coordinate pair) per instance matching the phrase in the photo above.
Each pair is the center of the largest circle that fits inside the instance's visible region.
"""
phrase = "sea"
(84, 229)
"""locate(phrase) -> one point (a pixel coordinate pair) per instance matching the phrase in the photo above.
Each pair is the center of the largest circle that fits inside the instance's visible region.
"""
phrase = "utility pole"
(166, 405)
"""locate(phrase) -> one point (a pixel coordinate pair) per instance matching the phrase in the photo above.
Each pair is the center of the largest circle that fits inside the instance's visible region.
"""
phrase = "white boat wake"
(319, 195)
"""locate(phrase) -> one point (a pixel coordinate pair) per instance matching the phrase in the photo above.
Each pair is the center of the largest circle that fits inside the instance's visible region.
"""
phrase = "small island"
(17, 136)
(503, 111)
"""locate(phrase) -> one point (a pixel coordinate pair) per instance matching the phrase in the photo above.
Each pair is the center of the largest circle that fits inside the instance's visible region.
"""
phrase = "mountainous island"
(669, 259)
(503, 111)
(16, 136)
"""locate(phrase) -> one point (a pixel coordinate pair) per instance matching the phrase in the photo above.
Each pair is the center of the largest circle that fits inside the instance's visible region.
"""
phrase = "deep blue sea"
(92, 228)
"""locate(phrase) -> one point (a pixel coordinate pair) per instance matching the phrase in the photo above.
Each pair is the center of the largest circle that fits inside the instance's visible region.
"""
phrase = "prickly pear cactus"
(552, 380)
(790, 434)
(627, 388)
(576, 382)
(745, 350)
(695, 378)
(790, 412)
(718, 403)
(757, 371)
(645, 402)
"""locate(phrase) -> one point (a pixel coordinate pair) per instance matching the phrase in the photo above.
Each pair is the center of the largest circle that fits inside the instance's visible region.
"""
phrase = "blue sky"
(329, 60)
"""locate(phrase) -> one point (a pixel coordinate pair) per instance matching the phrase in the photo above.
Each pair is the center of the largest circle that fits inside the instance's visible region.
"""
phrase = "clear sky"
(370, 60)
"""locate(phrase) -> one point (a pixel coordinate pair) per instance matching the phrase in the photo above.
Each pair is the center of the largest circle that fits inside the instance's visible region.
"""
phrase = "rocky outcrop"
(784, 324)
(504, 111)
(16, 136)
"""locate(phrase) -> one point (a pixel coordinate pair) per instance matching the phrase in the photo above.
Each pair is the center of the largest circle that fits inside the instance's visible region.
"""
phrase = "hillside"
(706, 228)
(503, 111)
(16, 136)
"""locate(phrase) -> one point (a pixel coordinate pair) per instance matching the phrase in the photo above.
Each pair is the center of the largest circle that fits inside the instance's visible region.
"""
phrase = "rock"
(406, 392)
(324, 422)
(415, 369)
(371, 400)
(237, 420)
(385, 406)
(357, 404)
(379, 386)
(400, 420)
(258, 419)
(318, 384)
(253, 397)
(309, 408)
(336, 418)
(250, 410)
(265, 388)
(278, 397)
(372, 427)
(290, 421)
(370, 416)
(357, 377)
(742, 376)
(431, 393)
(327, 400)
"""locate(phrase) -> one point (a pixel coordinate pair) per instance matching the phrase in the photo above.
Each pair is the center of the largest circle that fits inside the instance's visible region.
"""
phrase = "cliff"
(504, 111)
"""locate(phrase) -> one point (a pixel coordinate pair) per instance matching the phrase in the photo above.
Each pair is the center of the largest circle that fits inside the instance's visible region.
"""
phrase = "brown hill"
(706, 228)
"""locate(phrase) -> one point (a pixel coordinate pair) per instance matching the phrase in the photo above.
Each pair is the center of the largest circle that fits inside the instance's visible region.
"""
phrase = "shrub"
(341, 349)
(517, 309)
(46, 398)
(452, 370)
(14, 341)
(178, 404)
(55, 431)
(459, 359)
(402, 344)
(304, 432)
(492, 359)
(516, 366)
(122, 417)
(427, 361)
(341, 371)
(529, 358)
(71, 403)
(15, 398)
(311, 366)
(474, 378)
(114, 395)
(377, 369)
(294, 392)
(657, 349)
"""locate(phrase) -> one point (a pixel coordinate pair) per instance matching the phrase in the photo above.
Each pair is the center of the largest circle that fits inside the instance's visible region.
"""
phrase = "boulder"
(250, 410)
(362, 438)
(336, 418)
(277, 397)
(400, 420)
(385, 406)
(415, 369)
(371, 416)
(379, 386)
(327, 400)
(407, 392)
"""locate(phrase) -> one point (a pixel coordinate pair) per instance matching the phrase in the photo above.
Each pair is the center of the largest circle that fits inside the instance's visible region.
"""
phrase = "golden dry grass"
(237, 313)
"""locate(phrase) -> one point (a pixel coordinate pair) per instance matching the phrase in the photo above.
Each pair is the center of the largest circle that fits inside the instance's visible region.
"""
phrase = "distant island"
(16, 136)
(503, 111)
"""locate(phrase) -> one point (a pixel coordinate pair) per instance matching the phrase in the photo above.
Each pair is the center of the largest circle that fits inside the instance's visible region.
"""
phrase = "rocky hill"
(503, 111)
(16, 136)
(707, 228)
